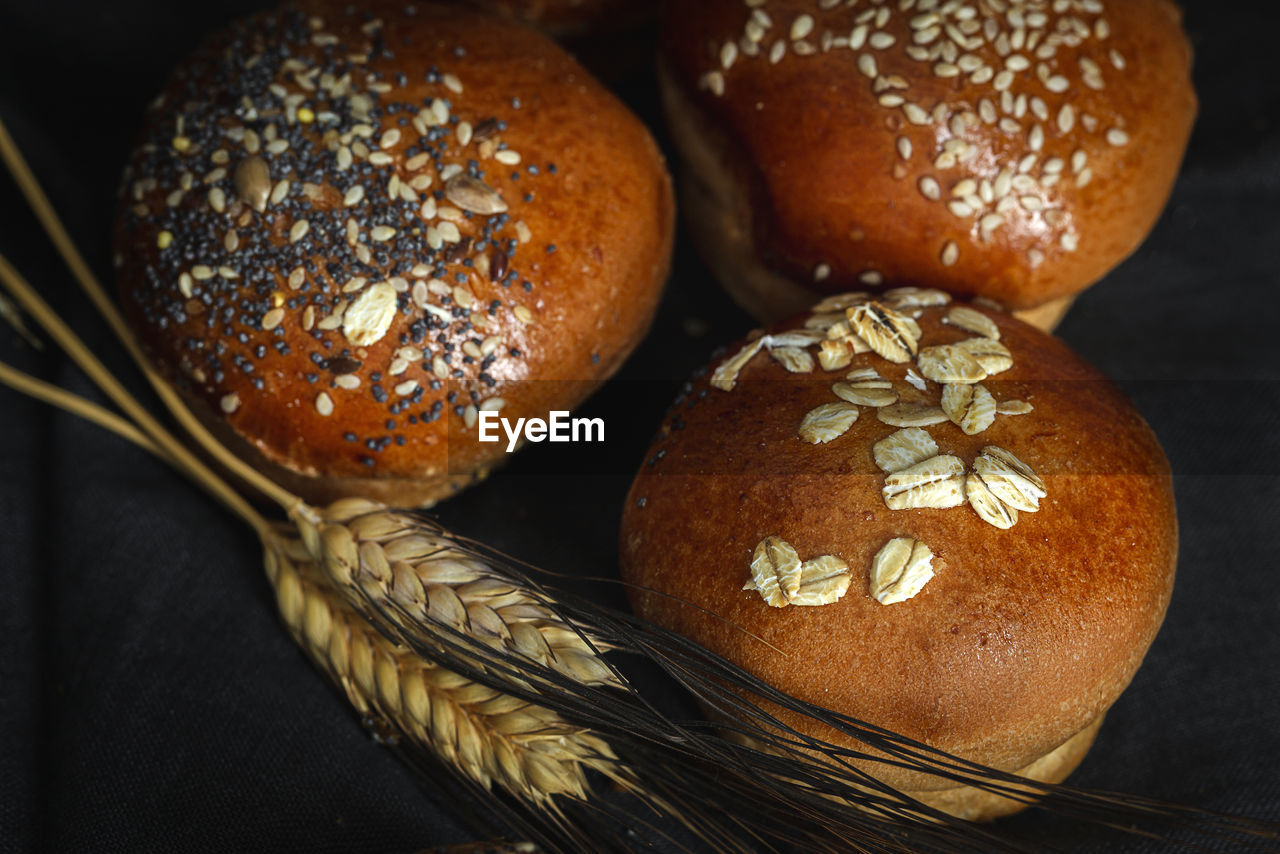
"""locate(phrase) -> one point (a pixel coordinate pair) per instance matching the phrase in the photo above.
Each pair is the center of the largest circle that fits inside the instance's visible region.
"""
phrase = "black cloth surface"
(150, 699)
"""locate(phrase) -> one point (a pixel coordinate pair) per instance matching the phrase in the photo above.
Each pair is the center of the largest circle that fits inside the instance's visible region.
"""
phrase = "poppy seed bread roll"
(349, 230)
(1014, 151)
(930, 517)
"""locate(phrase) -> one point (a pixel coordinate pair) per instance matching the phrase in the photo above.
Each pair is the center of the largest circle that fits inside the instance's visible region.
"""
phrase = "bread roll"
(995, 551)
(347, 230)
(1014, 151)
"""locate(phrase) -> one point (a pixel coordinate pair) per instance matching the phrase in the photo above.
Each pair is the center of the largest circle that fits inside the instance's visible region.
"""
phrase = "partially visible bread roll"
(348, 230)
(1012, 151)
(931, 517)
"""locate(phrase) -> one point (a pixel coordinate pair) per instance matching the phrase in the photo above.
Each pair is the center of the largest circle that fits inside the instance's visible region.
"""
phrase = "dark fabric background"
(151, 701)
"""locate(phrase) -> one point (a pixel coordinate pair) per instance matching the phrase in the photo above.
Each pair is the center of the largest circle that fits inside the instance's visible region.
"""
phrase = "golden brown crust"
(1023, 636)
(525, 295)
(817, 142)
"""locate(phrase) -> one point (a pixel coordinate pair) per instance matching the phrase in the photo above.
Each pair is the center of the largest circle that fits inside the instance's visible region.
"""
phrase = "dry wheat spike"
(489, 736)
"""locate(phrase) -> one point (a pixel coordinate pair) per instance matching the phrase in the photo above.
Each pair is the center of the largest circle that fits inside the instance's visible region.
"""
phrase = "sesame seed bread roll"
(1007, 149)
(348, 231)
(935, 518)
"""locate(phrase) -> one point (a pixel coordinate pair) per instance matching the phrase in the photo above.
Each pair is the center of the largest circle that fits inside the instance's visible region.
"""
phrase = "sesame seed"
(1070, 241)
(712, 81)
(354, 195)
(870, 277)
(299, 230)
(1031, 203)
(181, 143)
(406, 388)
(382, 233)
(915, 114)
(229, 402)
(1078, 158)
(273, 319)
(801, 27)
(380, 158)
(350, 382)
(390, 138)
(1035, 139)
(990, 222)
(1084, 176)
(880, 41)
(1117, 137)
(523, 314)
(982, 75)
(279, 192)
(1056, 83)
(867, 64)
(929, 188)
(821, 272)
(507, 157)
(904, 148)
(164, 239)
(891, 99)
(959, 208)
(950, 253)
(202, 272)
(306, 116)
(728, 55)
(777, 52)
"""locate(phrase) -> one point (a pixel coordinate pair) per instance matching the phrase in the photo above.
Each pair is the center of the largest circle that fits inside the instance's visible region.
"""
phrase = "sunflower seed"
(973, 321)
(253, 182)
(775, 571)
(888, 333)
(823, 580)
(864, 396)
(948, 363)
(904, 449)
(472, 194)
(826, 422)
(993, 356)
(911, 415)
(969, 406)
(937, 482)
(725, 377)
(794, 359)
(989, 508)
(901, 568)
(1009, 478)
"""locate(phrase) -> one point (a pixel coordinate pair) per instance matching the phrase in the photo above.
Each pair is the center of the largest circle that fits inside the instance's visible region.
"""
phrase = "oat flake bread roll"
(937, 518)
(1014, 150)
(348, 229)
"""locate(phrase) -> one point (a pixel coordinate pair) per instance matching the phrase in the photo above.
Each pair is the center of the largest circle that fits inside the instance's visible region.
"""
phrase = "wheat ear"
(490, 736)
